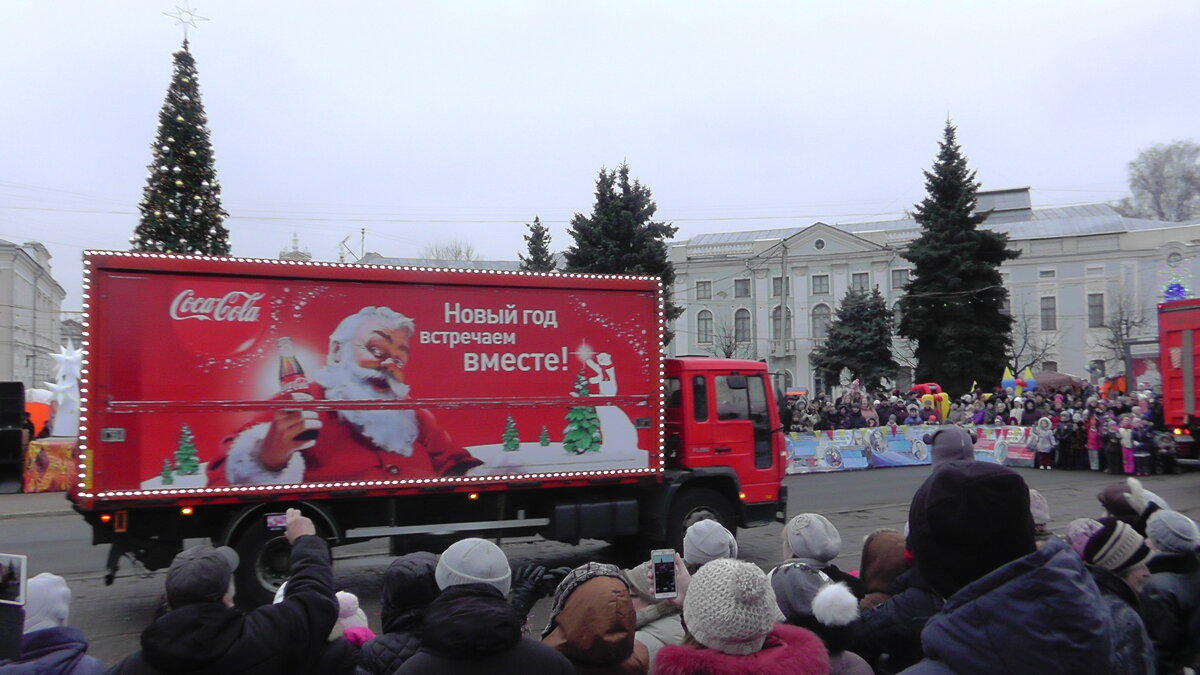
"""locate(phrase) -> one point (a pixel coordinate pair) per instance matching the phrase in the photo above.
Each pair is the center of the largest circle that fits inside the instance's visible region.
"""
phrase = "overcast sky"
(414, 119)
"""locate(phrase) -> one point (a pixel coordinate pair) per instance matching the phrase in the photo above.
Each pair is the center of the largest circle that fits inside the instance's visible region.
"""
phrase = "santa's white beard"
(390, 430)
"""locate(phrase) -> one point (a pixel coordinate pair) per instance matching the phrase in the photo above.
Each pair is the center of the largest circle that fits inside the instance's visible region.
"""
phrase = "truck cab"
(722, 428)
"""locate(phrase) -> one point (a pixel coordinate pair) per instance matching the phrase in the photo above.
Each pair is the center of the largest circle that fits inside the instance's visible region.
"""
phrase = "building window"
(704, 327)
(897, 314)
(704, 290)
(780, 332)
(741, 288)
(899, 279)
(819, 244)
(1051, 366)
(1049, 313)
(1046, 274)
(820, 322)
(1095, 270)
(1095, 310)
(777, 287)
(820, 284)
(741, 325)
(860, 281)
(1006, 305)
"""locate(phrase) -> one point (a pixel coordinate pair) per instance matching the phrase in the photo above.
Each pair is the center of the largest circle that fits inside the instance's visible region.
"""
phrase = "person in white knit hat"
(48, 645)
(811, 539)
(730, 613)
(474, 561)
(707, 540)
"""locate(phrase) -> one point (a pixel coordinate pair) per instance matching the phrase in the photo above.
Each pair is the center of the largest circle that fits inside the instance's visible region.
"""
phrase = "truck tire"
(264, 562)
(694, 505)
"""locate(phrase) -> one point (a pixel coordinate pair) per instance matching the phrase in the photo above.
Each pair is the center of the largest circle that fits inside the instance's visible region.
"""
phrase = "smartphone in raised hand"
(663, 563)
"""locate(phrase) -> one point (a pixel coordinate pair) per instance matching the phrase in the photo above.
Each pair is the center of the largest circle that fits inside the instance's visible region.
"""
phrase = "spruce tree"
(167, 475)
(621, 236)
(953, 304)
(859, 340)
(181, 205)
(544, 438)
(582, 433)
(540, 259)
(186, 460)
(509, 438)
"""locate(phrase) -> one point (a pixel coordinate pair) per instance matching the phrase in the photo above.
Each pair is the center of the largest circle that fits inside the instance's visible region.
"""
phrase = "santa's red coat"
(343, 453)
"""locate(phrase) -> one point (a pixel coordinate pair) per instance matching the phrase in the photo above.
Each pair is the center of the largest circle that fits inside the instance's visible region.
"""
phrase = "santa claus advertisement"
(268, 381)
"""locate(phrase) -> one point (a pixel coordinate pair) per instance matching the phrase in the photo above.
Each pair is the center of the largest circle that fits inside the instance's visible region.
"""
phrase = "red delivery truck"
(1179, 358)
(418, 404)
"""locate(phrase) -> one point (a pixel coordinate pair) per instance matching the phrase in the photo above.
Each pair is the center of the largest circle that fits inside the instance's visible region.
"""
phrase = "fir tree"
(953, 304)
(859, 340)
(168, 476)
(186, 461)
(181, 205)
(621, 237)
(511, 441)
(540, 259)
(544, 438)
(582, 433)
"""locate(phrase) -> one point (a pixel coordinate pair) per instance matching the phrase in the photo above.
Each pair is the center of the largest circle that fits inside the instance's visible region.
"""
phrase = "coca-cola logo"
(234, 306)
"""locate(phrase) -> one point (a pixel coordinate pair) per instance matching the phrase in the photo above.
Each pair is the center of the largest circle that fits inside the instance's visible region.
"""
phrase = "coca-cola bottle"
(292, 379)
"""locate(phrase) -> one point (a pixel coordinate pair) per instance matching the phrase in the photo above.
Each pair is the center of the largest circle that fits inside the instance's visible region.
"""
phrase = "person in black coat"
(470, 628)
(203, 633)
(408, 588)
(888, 635)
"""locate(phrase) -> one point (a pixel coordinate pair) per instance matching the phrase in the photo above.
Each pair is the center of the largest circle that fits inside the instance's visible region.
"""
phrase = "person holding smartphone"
(202, 632)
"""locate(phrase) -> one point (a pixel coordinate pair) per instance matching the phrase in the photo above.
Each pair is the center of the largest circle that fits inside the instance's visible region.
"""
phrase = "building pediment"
(820, 239)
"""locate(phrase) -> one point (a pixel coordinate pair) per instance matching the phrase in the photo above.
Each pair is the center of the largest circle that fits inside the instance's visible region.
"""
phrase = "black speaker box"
(12, 404)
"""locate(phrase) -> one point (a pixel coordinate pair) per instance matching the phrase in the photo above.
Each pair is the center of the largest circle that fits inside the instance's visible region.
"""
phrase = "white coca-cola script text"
(233, 306)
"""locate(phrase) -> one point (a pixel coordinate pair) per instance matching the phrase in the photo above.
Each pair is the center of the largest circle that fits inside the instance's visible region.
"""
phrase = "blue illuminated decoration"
(1175, 292)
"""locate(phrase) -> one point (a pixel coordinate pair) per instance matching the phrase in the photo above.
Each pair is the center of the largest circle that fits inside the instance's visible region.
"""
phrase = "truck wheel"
(693, 506)
(265, 560)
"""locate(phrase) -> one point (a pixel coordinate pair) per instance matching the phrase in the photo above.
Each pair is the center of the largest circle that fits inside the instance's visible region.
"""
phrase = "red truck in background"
(1179, 356)
(418, 404)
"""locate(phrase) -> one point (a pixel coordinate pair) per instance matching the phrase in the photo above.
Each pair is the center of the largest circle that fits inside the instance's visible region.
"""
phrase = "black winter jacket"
(472, 630)
(1171, 609)
(210, 638)
(408, 588)
(894, 627)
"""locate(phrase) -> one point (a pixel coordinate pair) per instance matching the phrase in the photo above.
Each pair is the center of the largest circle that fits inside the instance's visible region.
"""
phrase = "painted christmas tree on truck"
(186, 461)
(510, 439)
(582, 433)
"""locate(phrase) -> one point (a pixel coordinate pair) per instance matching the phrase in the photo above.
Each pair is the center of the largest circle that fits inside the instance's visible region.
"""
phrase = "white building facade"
(30, 314)
(769, 294)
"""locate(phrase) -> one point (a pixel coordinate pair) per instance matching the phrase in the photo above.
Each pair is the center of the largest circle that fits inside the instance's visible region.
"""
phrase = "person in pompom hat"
(1116, 556)
(48, 644)
(707, 540)
(730, 613)
(809, 599)
(1171, 596)
(470, 627)
(812, 539)
(971, 536)
(592, 622)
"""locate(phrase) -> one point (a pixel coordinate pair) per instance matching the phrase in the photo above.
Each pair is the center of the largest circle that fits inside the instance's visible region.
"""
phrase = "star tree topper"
(185, 16)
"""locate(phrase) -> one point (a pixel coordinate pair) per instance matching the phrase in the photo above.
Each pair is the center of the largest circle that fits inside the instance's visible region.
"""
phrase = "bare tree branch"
(1030, 346)
(450, 250)
(1125, 322)
(726, 345)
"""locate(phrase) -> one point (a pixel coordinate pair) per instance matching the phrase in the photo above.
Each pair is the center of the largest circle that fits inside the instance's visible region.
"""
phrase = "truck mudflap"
(592, 520)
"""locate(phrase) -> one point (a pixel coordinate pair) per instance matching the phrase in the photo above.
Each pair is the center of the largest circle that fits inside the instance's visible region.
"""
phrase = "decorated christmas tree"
(181, 205)
(511, 442)
(186, 461)
(168, 476)
(582, 433)
(544, 438)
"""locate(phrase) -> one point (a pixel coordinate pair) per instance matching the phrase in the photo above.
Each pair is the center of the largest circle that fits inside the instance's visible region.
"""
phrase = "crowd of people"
(1070, 428)
(976, 583)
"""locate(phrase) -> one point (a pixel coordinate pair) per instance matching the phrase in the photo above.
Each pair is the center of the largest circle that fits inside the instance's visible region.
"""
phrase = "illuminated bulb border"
(84, 383)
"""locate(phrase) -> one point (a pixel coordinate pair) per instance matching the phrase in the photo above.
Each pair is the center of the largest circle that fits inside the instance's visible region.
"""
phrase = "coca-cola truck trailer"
(410, 403)
(1179, 358)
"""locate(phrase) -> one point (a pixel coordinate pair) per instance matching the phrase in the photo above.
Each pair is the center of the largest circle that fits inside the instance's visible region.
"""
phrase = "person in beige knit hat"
(730, 613)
